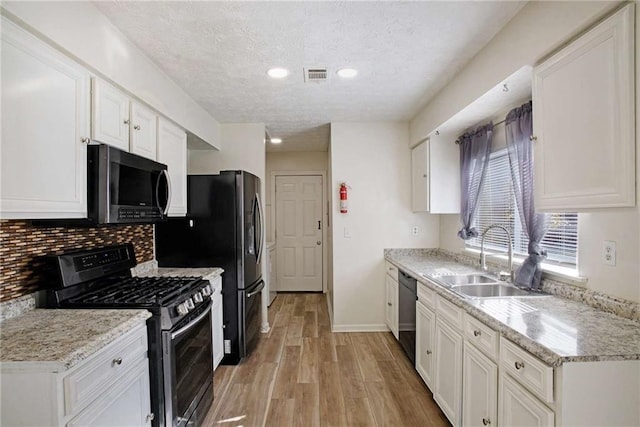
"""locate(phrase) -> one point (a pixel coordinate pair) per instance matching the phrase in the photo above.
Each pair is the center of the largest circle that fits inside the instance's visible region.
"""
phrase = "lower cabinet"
(110, 388)
(425, 340)
(391, 308)
(518, 407)
(479, 388)
(448, 371)
(218, 325)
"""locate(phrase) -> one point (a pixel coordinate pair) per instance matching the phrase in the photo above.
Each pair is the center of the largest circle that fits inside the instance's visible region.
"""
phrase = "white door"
(517, 407)
(479, 388)
(448, 385)
(172, 151)
(144, 131)
(110, 115)
(299, 232)
(425, 332)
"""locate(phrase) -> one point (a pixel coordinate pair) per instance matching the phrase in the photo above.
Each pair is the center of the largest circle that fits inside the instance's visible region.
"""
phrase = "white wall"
(538, 29)
(289, 161)
(85, 34)
(375, 161)
(619, 225)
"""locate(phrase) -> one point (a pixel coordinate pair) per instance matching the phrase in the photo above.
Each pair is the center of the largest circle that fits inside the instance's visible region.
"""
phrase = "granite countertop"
(556, 330)
(56, 340)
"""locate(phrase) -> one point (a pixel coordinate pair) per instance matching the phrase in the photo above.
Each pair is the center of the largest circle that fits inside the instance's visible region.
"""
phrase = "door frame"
(325, 213)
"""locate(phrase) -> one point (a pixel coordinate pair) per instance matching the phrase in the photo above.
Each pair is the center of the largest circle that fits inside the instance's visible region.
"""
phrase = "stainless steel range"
(179, 331)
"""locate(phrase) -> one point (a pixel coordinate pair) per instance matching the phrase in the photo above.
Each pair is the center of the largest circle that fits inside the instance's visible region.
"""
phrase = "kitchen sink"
(466, 279)
(493, 290)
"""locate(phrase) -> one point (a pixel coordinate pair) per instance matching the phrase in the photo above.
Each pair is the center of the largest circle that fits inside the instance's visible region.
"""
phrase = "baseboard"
(360, 328)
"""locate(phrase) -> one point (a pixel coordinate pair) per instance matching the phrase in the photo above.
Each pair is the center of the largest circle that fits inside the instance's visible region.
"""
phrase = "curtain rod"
(494, 125)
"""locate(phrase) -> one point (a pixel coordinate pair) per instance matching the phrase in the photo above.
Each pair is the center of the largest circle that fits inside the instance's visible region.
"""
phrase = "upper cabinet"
(172, 151)
(45, 125)
(121, 122)
(435, 176)
(584, 120)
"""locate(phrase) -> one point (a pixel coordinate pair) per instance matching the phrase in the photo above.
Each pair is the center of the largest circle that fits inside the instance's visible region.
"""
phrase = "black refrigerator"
(223, 228)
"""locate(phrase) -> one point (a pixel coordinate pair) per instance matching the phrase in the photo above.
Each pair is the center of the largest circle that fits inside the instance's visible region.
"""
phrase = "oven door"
(188, 369)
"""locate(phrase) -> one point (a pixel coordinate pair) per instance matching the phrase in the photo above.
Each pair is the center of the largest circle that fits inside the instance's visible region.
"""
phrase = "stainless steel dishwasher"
(407, 297)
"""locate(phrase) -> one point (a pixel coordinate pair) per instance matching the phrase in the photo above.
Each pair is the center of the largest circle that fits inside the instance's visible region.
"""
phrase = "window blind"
(497, 206)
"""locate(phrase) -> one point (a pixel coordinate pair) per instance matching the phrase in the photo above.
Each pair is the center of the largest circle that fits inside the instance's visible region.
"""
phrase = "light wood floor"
(302, 374)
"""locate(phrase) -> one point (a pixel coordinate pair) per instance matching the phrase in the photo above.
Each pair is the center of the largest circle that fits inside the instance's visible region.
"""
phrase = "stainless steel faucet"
(483, 258)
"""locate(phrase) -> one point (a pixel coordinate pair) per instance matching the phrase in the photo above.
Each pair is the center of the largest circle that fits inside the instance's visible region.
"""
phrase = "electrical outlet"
(609, 252)
(414, 230)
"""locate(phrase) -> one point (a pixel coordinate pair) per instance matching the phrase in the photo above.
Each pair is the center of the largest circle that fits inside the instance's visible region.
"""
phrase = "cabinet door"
(45, 117)
(218, 331)
(144, 124)
(391, 309)
(584, 119)
(448, 370)
(425, 331)
(172, 151)
(479, 388)
(109, 115)
(126, 403)
(517, 407)
(420, 177)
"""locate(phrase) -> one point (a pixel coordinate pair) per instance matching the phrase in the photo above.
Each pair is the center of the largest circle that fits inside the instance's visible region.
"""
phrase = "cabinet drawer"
(85, 384)
(531, 372)
(391, 270)
(449, 311)
(482, 336)
(426, 295)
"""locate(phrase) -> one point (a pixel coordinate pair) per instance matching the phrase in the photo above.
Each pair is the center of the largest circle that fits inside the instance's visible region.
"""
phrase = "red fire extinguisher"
(343, 198)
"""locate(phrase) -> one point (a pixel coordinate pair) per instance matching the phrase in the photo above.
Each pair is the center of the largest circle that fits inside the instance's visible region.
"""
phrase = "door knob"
(318, 242)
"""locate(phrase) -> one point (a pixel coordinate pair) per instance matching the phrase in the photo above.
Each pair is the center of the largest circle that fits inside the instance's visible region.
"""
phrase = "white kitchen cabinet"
(110, 119)
(391, 307)
(448, 370)
(435, 176)
(45, 125)
(425, 340)
(217, 322)
(518, 407)
(172, 151)
(144, 130)
(584, 118)
(479, 388)
(111, 387)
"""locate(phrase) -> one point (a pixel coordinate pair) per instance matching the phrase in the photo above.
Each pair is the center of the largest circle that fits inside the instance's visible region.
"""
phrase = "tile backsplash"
(21, 243)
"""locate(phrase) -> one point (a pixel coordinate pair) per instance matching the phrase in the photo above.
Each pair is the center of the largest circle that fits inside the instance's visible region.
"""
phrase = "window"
(497, 206)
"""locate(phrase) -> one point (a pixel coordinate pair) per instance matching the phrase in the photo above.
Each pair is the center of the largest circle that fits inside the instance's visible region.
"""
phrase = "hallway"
(302, 374)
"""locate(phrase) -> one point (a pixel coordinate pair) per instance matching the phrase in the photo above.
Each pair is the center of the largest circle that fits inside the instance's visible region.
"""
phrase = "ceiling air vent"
(315, 74)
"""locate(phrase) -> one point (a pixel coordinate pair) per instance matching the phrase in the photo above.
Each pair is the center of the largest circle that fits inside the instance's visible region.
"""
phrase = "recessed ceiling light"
(276, 140)
(278, 73)
(347, 73)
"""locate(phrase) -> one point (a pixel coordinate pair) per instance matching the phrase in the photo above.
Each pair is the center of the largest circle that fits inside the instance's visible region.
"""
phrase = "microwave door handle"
(166, 208)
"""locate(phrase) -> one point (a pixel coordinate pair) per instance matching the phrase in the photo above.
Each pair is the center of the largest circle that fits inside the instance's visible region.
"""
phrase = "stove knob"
(190, 304)
(206, 291)
(182, 309)
(197, 297)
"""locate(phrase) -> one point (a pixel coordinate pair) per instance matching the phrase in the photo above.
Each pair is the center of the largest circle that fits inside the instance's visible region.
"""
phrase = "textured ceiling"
(219, 53)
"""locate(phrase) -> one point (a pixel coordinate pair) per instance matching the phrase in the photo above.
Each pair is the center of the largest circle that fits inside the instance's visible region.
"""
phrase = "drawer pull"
(519, 365)
(429, 352)
(486, 421)
(477, 333)
(117, 361)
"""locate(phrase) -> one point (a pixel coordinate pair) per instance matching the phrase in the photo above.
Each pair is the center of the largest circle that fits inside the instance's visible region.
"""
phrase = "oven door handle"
(257, 290)
(191, 324)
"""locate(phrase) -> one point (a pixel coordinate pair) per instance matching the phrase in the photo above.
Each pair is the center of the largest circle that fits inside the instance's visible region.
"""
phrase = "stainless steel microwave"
(125, 188)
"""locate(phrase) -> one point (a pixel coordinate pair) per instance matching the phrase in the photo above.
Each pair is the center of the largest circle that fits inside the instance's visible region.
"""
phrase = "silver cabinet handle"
(318, 242)
(127, 121)
(477, 333)
(151, 417)
(85, 140)
(116, 361)
(519, 365)
(137, 127)
(429, 352)
(389, 304)
(486, 421)
(533, 138)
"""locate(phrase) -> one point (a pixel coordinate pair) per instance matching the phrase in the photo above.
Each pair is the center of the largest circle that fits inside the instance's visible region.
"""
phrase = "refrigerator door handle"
(261, 219)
